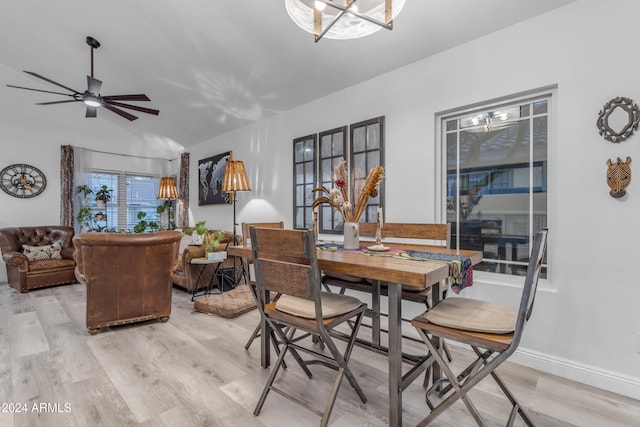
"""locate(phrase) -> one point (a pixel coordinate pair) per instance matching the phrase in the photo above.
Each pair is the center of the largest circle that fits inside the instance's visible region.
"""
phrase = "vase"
(351, 235)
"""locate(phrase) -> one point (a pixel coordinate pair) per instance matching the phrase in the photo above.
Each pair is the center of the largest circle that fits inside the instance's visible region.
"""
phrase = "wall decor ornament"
(618, 119)
(210, 177)
(22, 181)
(618, 176)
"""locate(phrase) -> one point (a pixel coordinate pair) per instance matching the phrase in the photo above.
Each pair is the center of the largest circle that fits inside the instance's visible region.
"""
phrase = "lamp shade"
(235, 177)
(167, 189)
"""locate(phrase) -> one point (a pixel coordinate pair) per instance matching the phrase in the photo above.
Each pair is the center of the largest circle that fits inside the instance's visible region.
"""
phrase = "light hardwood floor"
(194, 371)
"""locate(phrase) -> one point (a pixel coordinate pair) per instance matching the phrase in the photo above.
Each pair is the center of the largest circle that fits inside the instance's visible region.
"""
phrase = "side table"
(215, 266)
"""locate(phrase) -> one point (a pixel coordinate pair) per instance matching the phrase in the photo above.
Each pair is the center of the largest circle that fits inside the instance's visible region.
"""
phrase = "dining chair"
(246, 236)
(434, 234)
(285, 262)
(493, 332)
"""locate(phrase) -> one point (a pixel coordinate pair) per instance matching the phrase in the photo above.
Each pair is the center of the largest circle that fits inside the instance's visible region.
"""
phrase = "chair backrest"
(246, 228)
(109, 258)
(530, 284)
(391, 230)
(285, 262)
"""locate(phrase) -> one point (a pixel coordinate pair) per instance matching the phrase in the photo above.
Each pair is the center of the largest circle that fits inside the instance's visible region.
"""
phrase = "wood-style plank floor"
(194, 371)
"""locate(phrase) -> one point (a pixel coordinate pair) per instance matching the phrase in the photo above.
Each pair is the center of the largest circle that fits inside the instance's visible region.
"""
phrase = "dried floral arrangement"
(361, 189)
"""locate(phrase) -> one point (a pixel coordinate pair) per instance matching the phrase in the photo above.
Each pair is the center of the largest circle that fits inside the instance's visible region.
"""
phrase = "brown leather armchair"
(128, 276)
(186, 276)
(24, 274)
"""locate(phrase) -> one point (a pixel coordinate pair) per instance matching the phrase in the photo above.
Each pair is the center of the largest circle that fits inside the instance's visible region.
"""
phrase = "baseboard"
(586, 374)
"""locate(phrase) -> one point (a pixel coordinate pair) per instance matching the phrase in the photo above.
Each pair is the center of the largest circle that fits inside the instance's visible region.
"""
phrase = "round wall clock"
(22, 181)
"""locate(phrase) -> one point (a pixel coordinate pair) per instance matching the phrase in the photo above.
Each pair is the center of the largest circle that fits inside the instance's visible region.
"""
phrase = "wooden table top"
(421, 274)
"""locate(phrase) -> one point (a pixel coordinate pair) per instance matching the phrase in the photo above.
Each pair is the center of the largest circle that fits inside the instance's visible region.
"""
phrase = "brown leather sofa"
(128, 276)
(186, 276)
(24, 274)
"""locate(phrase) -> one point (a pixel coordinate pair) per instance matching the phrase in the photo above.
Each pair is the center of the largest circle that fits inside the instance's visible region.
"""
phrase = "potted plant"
(143, 224)
(166, 221)
(103, 195)
(197, 233)
(85, 190)
(212, 242)
(200, 235)
(99, 216)
(84, 218)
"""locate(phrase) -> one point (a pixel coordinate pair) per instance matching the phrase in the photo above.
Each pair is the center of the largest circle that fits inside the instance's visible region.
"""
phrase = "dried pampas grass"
(361, 190)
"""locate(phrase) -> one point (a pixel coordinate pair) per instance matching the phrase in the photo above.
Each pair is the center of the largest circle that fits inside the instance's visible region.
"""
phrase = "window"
(496, 180)
(304, 151)
(333, 146)
(366, 152)
(130, 194)
(362, 150)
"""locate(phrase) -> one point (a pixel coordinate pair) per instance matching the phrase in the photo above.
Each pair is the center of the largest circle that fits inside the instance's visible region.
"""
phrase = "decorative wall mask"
(618, 119)
(618, 176)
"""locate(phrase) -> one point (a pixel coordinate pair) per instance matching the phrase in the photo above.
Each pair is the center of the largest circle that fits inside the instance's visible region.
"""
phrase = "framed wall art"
(210, 176)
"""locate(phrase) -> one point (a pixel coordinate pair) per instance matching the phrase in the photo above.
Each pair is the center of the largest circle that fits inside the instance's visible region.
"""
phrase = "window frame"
(323, 177)
(370, 213)
(333, 158)
(306, 207)
(548, 94)
(119, 205)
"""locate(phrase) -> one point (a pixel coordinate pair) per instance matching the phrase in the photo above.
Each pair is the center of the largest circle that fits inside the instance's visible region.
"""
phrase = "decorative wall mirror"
(618, 119)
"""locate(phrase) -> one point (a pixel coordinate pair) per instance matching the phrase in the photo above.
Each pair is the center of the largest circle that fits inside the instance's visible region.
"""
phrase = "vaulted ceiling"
(212, 66)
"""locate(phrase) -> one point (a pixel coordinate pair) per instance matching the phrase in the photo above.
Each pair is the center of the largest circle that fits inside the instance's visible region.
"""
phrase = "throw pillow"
(37, 253)
(184, 242)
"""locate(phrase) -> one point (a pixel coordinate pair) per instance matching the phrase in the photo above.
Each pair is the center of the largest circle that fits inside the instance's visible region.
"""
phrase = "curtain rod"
(124, 155)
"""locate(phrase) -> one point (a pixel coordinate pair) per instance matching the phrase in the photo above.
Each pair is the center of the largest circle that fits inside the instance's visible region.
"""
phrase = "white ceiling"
(212, 66)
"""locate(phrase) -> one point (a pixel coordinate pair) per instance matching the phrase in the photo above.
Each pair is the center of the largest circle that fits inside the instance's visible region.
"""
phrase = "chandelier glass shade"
(343, 19)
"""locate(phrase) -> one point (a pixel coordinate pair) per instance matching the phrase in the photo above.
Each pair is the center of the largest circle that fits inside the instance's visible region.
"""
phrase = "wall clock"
(22, 181)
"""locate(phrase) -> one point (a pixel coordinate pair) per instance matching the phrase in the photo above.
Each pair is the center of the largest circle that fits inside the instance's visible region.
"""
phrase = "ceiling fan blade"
(50, 81)
(134, 107)
(136, 97)
(120, 112)
(39, 90)
(93, 85)
(91, 111)
(57, 102)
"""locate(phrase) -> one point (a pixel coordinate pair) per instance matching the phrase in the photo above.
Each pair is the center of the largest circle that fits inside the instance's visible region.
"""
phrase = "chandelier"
(343, 19)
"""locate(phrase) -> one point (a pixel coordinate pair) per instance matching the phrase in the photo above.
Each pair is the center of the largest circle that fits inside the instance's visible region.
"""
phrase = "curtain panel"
(66, 185)
(183, 191)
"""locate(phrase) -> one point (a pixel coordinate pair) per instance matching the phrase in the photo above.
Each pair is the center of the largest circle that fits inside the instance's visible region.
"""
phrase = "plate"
(378, 248)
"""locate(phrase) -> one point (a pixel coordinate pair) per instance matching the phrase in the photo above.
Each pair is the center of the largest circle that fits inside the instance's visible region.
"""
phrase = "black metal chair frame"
(491, 350)
(285, 262)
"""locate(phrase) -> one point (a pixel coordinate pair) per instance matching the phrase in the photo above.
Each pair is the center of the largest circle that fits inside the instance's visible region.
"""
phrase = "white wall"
(586, 322)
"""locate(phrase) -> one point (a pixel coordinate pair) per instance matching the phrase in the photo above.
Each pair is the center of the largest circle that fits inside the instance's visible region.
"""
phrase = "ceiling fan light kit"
(92, 97)
(343, 19)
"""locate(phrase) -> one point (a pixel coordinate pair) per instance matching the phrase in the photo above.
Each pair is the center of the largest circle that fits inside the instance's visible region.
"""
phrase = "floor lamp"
(235, 179)
(168, 191)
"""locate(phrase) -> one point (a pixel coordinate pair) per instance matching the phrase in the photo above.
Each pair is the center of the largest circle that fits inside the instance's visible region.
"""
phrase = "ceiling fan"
(91, 97)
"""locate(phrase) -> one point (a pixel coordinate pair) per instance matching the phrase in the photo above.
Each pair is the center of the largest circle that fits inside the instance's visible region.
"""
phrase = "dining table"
(395, 272)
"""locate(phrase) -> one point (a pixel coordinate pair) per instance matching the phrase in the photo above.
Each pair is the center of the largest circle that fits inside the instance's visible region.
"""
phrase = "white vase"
(351, 235)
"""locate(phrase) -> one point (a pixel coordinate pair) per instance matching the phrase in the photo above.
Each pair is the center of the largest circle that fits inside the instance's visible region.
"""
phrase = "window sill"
(509, 281)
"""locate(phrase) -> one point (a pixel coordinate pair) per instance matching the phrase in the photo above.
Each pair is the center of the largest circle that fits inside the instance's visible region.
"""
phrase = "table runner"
(460, 267)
